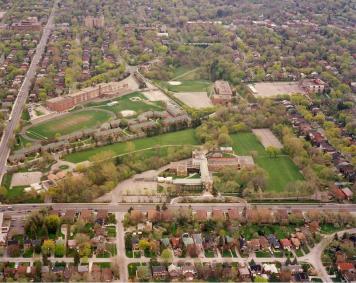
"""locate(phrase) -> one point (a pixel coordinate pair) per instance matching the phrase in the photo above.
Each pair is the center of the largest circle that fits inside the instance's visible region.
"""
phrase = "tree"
(59, 250)
(52, 223)
(272, 151)
(48, 247)
(167, 256)
(144, 244)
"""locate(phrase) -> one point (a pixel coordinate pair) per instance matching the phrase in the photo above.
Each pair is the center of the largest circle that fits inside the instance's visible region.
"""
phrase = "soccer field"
(68, 123)
(281, 170)
(185, 137)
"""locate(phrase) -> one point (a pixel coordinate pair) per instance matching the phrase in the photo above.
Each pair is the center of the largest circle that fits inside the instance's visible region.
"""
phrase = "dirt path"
(184, 74)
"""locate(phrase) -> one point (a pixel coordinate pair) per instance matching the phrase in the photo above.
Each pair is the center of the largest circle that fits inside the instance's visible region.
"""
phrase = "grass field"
(188, 86)
(124, 103)
(68, 124)
(281, 170)
(186, 137)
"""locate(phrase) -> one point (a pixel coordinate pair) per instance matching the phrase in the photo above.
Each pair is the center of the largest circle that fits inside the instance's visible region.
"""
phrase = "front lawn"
(209, 253)
(111, 230)
(263, 254)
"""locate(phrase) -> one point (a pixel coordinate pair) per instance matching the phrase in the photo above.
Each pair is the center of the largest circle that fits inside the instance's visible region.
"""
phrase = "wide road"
(123, 207)
(23, 93)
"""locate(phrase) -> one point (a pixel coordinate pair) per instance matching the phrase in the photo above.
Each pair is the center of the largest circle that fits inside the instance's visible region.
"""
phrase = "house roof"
(295, 242)
(233, 213)
(201, 215)
(344, 266)
(286, 243)
(153, 214)
(102, 214)
(85, 214)
(217, 214)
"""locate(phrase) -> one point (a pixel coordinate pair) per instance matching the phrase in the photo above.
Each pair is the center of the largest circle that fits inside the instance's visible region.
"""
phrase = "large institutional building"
(66, 102)
(222, 93)
(205, 164)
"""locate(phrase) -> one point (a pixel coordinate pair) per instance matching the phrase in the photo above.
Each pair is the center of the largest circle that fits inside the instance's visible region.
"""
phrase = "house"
(174, 271)
(242, 244)
(189, 272)
(217, 215)
(300, 236)
(187, 240)
(159, 272)
(136, 215)
(244, 273)
(293, 268)
(198, 240)
(256, 269)
(86, 215)
(175, 241)
(286, 244)
(314, 226)
(165, 242)
(233, 214)
(270, 268)
(273, 241)
(209, 241)
(338, 193)
(349, 275)
(153, 215)
(301, 277)
(254, 245)
(295, 242)
(264, 243)
(201, 215)
(72, 244)
(340, 257)
(345, 266)
(69, 216)
(347, 192)
(167, 215)
(281, 216)
(83, 268)
(106, 275)
(101, 216)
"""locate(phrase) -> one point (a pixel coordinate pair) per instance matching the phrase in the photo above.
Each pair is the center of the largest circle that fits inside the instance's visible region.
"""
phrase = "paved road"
(17, 209)
(314, 257)
(22, 95)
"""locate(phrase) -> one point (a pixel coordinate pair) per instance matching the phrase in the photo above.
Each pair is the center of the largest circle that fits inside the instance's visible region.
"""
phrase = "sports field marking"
(37, 134)
(135, 99)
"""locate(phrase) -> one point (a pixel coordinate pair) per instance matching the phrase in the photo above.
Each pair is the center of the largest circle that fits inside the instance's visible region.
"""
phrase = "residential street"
(23, 93)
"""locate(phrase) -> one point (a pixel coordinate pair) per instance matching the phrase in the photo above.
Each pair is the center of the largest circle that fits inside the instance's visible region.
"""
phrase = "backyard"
(185, 137)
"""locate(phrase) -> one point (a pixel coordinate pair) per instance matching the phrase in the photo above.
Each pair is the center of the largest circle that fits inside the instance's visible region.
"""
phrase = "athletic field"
(68, 123)
(185, 137)
(281, 170)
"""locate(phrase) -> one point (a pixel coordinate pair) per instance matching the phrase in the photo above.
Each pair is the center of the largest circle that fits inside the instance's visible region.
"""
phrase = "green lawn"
(281, 170)
(185, 137)
(69, 123)
(244, 143)
(125, 103)
(188, 86)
